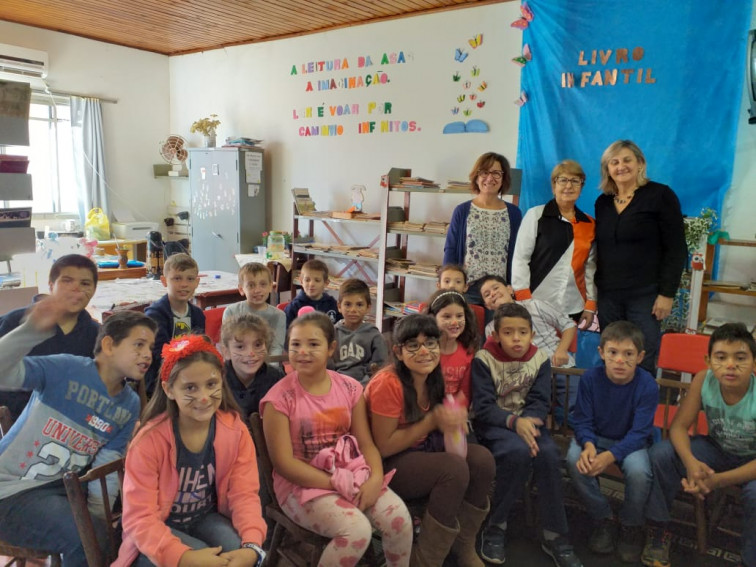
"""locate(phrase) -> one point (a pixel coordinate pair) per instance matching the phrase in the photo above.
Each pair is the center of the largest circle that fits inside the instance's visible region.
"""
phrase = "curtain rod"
(63, 93)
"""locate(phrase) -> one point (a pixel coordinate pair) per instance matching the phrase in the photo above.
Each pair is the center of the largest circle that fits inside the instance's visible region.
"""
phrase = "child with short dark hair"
(361, 349)
(726, 392)
(174, 313)
(245, 340)
(613, 422)
(256, 283)
(511, 397)
(81, 414)
(314, 279)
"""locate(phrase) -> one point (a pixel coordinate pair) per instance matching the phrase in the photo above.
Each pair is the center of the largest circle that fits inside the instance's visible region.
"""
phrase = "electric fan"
(173, 152)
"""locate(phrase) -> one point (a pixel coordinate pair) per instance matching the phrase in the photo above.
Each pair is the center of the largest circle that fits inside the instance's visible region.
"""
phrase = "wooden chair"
(77, 496)
(19, 555)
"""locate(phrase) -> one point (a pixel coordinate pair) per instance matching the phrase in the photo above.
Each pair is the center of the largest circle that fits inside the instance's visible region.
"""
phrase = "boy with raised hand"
(361, 349)
(314, 279)
(81, 414)
(726, 392)
(174, 313)
(511, 395)
(256, 284)
(76, 332)
(613, 422)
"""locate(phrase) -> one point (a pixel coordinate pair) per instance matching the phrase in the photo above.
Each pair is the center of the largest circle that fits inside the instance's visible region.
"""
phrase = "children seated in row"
(76, 333)
(190, 493)
(314, 279)
(613, 422)
(313, 416)
(80, 414)
(256, 284)
(408, 421)
(361, 349)
(726, 392)
(511, 398)
(174, 313)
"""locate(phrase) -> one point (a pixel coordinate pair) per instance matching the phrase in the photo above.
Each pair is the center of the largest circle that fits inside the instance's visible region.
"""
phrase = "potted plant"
(206, 127)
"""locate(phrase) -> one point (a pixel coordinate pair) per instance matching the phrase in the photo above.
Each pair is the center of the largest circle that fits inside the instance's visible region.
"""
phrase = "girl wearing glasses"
(408, 422)
(309, 418)
(482, 232)
(555, 256)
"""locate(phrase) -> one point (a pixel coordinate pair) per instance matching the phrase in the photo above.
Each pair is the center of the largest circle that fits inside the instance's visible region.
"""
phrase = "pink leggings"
(351, 530)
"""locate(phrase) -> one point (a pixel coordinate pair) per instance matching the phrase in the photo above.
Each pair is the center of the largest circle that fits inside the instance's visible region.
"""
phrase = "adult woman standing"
(640, 245)
(555, 259)
(483, 231)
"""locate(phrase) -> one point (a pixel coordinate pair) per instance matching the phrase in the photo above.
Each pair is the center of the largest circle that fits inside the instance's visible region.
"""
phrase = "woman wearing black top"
(640, 245)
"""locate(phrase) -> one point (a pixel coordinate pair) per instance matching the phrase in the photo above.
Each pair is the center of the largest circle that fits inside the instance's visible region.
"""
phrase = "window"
(50, 154)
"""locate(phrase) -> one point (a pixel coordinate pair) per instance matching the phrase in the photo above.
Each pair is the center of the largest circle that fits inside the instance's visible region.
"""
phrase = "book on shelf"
(453, 184)
(415, 183)
(304, 204)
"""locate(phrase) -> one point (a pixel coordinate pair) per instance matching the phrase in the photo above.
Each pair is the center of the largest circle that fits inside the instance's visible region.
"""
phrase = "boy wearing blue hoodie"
(314, 279)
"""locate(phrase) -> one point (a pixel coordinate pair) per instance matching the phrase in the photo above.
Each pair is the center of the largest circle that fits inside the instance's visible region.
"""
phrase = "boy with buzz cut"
(256, 284)
(81, 414)
(511, 395)
(726, 392)
(361, 349)
(174, 313)
(75, 333)
(314, 279)
(613, 422)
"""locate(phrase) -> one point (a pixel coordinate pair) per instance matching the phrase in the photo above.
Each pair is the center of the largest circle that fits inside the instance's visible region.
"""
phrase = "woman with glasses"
(640, 245)
(408, 421)
(555, 259)
(482, 232)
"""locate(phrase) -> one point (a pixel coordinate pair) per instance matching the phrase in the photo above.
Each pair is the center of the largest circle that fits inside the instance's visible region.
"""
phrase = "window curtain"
(89, 154)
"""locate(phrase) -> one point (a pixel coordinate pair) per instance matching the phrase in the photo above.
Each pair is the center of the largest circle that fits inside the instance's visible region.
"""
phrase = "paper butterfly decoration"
(522, 101)
(467, 84)
(455, 110)
(467, 112)
(475, 71)
(473, 96)
(461, 98)
(527, 17)
(523, 59)
(459, 55)
(456, 77)
(482, 86)
(481, 103)
(476, 41)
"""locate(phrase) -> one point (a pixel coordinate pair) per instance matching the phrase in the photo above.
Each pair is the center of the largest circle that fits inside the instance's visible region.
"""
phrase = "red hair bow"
(182, 347)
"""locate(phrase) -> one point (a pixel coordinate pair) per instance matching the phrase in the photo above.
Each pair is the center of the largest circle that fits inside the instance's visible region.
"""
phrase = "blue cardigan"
(454, 248)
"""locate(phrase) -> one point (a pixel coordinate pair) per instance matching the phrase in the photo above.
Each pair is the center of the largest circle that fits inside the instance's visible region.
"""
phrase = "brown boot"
(470, 518)
(434, 542)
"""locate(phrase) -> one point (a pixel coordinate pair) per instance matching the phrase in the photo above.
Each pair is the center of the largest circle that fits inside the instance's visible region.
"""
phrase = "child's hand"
(207, 557)
(369, 492)
(586, 320)
(45, 314)
(585, 462)
(450, 419)
(244, 557)
(600, 462)
(700, 480)
(527, 429)
(560, 358)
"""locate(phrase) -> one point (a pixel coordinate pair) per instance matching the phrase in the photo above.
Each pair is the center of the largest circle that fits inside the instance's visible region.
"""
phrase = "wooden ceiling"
(186, 26)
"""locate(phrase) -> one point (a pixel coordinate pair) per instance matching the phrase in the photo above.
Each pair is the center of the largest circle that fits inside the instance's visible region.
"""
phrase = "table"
(106, 274)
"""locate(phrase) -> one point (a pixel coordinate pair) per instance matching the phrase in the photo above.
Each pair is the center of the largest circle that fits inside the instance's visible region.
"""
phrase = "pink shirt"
(456, 368)
(315, 422)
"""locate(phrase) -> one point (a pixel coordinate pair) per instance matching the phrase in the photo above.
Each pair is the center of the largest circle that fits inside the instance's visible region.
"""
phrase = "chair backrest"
(213, 323)
(77, 496)
(556, 426)
(674, 392)
(283, 305)
(6, 420)
(681, 352)
(480, 317)
(263, 457)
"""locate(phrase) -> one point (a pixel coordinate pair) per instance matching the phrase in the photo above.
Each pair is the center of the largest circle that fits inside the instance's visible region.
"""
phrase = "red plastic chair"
(213, 322)
(282, 306)
(680, 352)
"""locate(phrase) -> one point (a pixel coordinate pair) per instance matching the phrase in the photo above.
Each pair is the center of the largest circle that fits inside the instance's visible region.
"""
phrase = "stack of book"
(416, 183)
(407, 225)
(453, 185)
(437, 227)
(397, 308)
(241, 143)
(424, 269)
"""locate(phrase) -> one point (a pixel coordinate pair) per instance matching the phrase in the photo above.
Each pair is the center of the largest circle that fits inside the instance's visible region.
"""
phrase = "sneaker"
(604, 537)
(630, 544)
(561, 551)
(493, 545)
(656, 551)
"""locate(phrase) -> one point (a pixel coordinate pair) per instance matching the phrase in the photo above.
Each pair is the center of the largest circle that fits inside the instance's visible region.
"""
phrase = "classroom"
(344, 110)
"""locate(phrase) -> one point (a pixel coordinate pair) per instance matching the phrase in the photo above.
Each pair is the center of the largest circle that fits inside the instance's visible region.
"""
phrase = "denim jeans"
(634, 306)
(669, 471)
(211, 531)
(636, 469)
(41, 518)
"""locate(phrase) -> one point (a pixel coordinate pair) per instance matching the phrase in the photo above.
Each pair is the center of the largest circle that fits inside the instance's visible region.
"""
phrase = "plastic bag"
(587, 349)
(97, 225)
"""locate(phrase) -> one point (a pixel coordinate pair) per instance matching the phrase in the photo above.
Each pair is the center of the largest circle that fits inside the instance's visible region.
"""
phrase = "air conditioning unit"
(21, 61)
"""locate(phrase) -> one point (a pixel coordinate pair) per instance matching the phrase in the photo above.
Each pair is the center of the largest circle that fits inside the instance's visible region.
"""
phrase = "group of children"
(352, 435)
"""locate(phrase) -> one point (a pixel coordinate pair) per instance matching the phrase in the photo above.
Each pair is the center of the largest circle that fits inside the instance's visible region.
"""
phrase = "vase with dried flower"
(206, 127)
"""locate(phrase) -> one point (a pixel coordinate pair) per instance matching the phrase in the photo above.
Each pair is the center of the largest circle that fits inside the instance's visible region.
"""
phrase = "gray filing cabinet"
(228, 205)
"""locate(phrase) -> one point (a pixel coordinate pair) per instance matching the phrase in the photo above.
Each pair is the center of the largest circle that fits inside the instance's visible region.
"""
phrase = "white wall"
(133, 127)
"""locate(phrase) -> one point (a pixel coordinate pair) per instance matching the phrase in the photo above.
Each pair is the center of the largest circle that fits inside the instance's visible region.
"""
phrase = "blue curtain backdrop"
(690, 58)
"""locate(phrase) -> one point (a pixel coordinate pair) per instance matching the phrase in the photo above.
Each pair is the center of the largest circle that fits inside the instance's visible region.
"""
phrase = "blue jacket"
(325, 304)
(454, 248)
(162, 314)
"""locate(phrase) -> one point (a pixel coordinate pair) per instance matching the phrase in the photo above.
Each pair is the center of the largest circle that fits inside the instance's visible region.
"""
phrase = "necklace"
(625, 200)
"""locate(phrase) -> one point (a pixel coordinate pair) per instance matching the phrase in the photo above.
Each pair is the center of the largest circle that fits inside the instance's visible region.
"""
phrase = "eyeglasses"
(495, 173)
(414, 345)
(564, 181)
